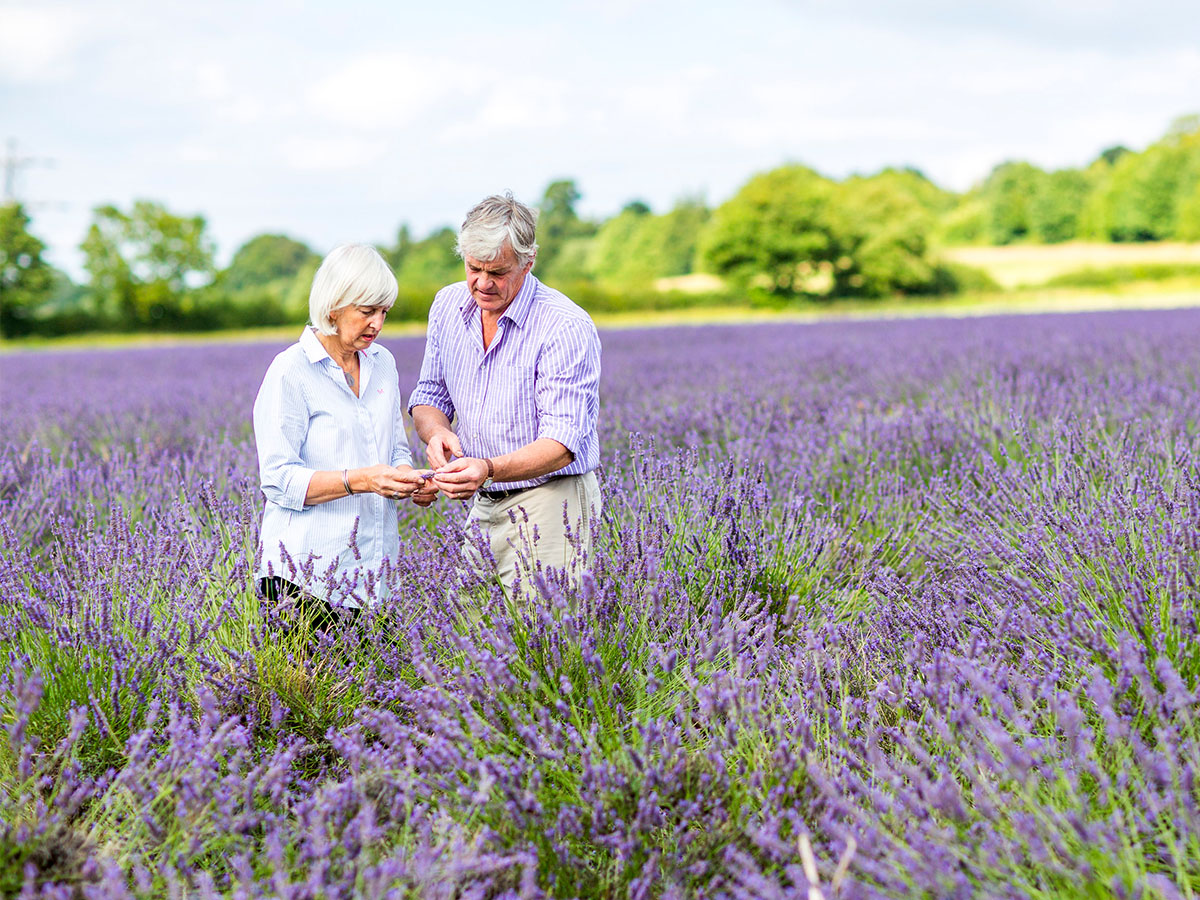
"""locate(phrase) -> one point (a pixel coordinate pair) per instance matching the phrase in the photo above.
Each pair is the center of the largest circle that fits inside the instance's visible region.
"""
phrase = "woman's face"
(358, 326)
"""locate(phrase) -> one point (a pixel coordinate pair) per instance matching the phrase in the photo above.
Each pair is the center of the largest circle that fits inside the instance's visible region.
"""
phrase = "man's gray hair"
(495, 221)
(351, 275)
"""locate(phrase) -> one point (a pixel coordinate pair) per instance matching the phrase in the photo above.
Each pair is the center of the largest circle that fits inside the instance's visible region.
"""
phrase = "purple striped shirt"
(540, 378)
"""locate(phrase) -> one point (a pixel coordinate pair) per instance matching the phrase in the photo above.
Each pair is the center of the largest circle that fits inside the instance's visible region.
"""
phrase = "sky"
(337, 124)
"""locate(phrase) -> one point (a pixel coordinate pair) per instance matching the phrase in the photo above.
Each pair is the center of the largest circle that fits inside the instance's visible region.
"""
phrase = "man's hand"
(441, 447)
(461, 478)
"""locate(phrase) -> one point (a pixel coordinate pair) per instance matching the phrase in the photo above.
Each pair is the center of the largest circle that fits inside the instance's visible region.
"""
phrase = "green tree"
(611, 252)
(1110, 155)
(1008, 196)
(778, 231)
(559, 223)
(256, 287)
(678, 236)
(966, 223)
(1144, 196)
(636, 247)
(1187, 226)
(396, 253)
(144, 263)
(1055, 210)
(26, 281)
(883, 228)
(264, 260)
(430, 262)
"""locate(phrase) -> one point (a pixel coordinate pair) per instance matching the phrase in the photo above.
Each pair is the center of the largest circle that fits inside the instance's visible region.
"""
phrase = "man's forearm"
(541, 457)
(428, 420)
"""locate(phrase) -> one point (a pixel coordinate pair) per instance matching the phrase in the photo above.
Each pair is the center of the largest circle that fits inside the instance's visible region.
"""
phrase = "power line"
(13, 164)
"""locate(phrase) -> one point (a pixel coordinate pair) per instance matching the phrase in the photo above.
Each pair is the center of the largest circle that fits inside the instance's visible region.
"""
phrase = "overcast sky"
(332, 125)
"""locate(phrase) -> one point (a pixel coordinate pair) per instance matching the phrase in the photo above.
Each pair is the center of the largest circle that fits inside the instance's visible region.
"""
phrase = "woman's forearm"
(328, 485)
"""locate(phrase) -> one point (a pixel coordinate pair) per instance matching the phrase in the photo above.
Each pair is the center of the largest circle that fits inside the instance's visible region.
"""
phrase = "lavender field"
(887, 609)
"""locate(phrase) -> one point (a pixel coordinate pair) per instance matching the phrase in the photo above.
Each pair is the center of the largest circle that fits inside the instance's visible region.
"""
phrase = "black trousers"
(319, 614)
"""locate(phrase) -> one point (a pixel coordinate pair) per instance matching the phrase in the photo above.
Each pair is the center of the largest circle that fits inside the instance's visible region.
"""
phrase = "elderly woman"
(333, 457)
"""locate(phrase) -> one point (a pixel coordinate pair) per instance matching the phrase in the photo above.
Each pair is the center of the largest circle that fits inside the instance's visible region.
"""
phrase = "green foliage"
(636, 247)
(431, 262)
(778, 230)
(1187, 225)
(266, 283)
(1055, 208)
(797, 233)
(1113, 276)
(884, 233)
(570, 263)
(1150, 195)
(1121, 196)
(265, 260)
(1008, 195)
(144, 262)
(966, 223)
(787, 233)
(26, 281)
(558, 223)
(1110, 155)
(916, 185)
(964, 279)
(596, 298)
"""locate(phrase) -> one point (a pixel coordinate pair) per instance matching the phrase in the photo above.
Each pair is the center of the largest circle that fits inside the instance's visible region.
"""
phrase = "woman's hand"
(387, 481)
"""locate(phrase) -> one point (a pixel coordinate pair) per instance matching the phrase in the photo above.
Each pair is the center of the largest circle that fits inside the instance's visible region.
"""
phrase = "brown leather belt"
(497, 496)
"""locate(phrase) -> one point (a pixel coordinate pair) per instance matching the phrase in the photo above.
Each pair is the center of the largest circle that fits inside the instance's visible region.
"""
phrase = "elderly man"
(519, 365)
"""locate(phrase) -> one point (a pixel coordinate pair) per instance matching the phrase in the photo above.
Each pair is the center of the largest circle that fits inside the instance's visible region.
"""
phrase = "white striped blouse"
(539, 377)
(306, 419)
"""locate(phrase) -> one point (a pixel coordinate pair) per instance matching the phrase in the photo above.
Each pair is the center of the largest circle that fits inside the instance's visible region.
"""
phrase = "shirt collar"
(315, 351)
(516, 312)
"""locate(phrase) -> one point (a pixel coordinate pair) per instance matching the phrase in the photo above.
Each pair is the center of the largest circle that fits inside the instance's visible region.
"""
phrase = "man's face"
(494, 284)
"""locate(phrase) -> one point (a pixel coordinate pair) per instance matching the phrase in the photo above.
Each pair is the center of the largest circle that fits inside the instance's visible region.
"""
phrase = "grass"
(1018, 265)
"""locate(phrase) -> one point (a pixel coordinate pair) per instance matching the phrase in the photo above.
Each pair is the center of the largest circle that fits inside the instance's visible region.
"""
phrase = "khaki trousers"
(550, 526)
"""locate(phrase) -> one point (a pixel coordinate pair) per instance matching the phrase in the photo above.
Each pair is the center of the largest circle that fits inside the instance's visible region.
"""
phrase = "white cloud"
(330, 153)
(507, 106)
(384, 90)
(199, 152)
(37, 42)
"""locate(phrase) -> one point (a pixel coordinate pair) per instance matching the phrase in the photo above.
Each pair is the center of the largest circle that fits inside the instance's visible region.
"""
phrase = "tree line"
(788, 233)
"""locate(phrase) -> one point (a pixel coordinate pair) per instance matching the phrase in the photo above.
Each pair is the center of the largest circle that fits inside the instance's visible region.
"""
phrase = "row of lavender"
(889, 609)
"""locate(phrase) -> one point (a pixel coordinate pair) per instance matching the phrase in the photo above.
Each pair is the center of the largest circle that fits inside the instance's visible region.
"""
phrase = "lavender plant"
(884, 609)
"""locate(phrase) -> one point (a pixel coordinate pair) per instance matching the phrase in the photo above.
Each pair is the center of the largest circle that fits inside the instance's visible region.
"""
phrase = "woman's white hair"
(495, 221)
(351, 275)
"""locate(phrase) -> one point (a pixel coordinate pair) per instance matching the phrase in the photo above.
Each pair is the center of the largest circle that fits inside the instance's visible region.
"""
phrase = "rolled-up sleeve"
(280, 426)
(568, 385)
(431, 389)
